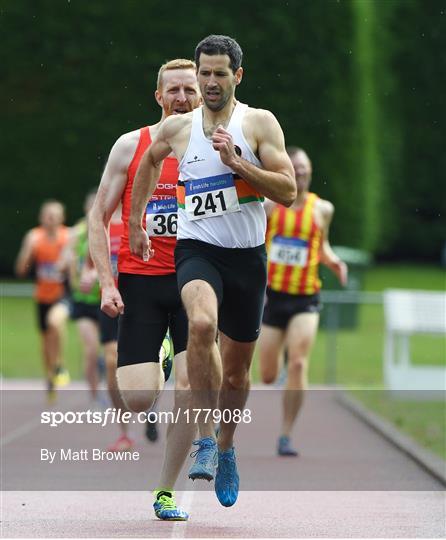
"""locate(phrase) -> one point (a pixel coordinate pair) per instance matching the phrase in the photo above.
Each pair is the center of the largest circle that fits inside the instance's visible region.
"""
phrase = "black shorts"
(152, 305)
(280, 307)
(238, 277)
(82, 310)
(42, 312)
(108, 328)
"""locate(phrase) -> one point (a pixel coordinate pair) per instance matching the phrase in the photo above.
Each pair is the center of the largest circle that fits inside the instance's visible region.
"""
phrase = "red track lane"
(257, 514)
(348, 482)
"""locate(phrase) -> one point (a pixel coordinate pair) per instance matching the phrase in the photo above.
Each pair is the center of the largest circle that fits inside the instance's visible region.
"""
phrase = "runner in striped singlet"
(297, 241)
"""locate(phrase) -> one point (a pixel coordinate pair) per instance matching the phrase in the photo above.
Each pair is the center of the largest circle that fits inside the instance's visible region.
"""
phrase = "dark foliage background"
(360, 84)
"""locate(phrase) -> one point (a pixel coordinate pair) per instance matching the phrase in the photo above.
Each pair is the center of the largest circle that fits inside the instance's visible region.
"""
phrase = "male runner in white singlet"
(230, 156)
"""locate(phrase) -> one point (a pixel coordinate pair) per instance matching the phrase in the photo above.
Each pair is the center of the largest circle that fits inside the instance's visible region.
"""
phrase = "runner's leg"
(300, 336)
(270, 348)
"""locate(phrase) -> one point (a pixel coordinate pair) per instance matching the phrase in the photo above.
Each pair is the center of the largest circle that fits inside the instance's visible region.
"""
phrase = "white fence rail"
(16, 290)
(409, 312)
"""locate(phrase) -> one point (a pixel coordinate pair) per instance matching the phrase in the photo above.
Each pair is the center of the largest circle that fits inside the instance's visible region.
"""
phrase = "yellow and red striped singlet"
(293, 242)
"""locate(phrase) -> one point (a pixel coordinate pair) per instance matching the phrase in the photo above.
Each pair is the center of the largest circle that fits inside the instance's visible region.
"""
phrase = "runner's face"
(303, 170)
(51, 215)
(179, 93)
(217, 81)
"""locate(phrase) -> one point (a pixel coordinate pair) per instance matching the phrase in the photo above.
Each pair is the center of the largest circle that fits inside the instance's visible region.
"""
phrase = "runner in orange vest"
(296, 241)
(148, 289)
(42, 247)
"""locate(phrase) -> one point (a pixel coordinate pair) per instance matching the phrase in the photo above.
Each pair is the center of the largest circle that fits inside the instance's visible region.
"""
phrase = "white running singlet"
(215, 205)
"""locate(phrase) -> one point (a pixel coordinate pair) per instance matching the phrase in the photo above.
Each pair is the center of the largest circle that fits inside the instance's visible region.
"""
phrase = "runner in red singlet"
(147, 297)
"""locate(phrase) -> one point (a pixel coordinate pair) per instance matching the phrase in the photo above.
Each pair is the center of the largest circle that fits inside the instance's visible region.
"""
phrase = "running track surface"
(326, 435)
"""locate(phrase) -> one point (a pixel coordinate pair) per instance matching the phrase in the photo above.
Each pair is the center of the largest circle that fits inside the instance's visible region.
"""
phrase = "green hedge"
(356, 83)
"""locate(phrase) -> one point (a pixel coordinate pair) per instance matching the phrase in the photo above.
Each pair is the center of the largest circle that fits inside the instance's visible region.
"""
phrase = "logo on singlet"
(195, 160)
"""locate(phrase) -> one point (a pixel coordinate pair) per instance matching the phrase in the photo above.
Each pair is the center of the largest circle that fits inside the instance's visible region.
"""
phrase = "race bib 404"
(292, 251)
(161, 217)
(209, 197)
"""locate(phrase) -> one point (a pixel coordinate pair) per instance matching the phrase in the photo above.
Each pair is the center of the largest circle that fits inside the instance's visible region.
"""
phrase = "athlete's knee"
(296, 363)
(237, 379)
(267, 376)
(137, 387)
(203, 326)
(137, 400)
(54, 323)
(57, 316)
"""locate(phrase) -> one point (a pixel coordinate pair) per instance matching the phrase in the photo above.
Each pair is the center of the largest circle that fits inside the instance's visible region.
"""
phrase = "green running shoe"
(166, 356)
(166, 508)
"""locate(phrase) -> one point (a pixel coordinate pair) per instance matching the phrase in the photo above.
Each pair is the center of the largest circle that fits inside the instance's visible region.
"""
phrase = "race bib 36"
(161, 217)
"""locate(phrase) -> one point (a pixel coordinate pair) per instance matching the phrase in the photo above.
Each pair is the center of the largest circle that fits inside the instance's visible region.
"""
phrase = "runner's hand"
(140, 244)
(111, 302)
(223, 143)
(87, 279)
(341, 271)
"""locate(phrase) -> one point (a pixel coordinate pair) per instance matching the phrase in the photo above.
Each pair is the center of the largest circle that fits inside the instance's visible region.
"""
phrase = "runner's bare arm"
(328, 256)
(276, 181)
(25, 256)
(110, 191)
(144, 185)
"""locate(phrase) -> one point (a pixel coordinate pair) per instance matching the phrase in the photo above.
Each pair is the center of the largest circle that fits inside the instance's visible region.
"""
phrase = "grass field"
(358, 352)
(424, 421)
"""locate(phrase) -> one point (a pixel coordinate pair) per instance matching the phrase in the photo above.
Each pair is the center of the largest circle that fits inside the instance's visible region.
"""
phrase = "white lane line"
(185, 503)
(25, 428)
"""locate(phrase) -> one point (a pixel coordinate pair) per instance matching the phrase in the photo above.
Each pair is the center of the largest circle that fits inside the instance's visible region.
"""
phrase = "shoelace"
(167, 502)
(206, 445)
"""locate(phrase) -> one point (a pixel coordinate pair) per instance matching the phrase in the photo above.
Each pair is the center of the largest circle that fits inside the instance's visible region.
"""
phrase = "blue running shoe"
(205, 459)
(166, 508)
(284, 447)
(227, 479)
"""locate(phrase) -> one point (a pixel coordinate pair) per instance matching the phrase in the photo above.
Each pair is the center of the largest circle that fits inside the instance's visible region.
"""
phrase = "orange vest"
(163, 262)
(293, 242)
(46, 253)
